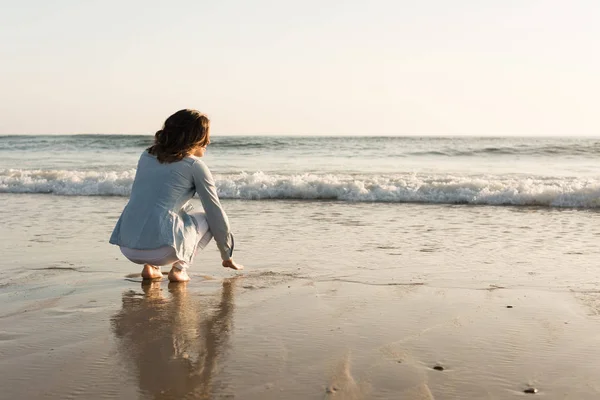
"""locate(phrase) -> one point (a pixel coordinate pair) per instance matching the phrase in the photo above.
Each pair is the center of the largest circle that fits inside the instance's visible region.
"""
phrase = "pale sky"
(377, 67)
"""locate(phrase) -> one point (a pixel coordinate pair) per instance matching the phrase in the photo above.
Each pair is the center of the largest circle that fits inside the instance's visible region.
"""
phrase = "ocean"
(547, 172)
(375, 268)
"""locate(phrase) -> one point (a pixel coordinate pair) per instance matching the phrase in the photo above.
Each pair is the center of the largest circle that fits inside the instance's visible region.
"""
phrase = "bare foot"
(232, 264)
(150, 272)
(178, 275)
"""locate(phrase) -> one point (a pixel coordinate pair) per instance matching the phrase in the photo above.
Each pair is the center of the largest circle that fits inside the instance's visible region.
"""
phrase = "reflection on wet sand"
(175, 342)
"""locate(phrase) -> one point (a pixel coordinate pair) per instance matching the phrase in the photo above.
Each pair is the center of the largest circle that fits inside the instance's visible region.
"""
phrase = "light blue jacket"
(157, 212)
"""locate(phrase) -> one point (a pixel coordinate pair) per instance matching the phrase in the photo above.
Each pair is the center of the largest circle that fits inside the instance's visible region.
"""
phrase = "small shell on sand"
(438, 367)
(530, 391)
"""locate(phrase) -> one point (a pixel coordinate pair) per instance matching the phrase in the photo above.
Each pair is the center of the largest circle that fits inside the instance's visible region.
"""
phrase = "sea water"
(444, 211)
(547, 172)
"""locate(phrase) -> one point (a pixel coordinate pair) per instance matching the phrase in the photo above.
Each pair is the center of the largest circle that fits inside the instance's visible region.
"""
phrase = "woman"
(157, 226)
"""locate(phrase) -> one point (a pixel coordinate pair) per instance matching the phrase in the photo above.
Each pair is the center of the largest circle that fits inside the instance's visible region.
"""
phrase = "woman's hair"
(182, 132)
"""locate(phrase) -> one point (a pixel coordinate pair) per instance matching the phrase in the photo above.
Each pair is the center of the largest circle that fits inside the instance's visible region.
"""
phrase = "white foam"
(443, 189)
(67, 183)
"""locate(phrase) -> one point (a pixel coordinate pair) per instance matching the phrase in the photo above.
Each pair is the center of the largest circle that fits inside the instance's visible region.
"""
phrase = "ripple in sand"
(492, 288)
(57, 268)
(375, 283)
(5, 336)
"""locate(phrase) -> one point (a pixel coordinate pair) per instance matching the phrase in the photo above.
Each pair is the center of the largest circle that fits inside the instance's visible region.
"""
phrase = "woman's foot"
(151, 272)
(178, 275)
(232, 264)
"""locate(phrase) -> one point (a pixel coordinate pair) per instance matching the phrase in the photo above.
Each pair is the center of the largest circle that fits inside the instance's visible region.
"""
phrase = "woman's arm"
(215, 215)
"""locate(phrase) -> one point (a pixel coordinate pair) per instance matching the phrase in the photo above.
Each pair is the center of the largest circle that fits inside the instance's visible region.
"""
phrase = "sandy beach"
(333, 316)
(412, 187)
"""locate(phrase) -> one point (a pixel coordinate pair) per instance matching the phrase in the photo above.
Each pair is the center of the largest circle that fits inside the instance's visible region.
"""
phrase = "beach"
(372, 301)
(405, 197)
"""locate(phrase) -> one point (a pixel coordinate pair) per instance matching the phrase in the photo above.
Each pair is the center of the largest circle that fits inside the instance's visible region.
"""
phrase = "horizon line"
(478, 135)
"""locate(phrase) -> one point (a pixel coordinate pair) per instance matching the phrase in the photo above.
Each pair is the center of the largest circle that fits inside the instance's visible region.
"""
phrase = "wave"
(572, 149)
(67, 183)
(397, 146)
(68, 143)
(119, 142)
(399, 188)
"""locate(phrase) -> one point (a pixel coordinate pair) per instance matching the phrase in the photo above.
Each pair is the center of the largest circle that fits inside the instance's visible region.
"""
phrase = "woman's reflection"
(175, 341)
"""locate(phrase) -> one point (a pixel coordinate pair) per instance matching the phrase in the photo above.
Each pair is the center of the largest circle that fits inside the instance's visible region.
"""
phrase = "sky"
(331, 67)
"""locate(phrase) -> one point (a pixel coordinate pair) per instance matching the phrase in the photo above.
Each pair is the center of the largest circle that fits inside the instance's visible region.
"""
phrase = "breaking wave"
(399, 188)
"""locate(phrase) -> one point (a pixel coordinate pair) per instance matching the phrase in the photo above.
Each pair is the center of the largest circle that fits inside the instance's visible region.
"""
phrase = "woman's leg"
(178, 272)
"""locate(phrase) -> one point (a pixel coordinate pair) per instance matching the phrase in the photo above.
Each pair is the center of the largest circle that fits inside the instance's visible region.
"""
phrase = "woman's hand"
(232, 264)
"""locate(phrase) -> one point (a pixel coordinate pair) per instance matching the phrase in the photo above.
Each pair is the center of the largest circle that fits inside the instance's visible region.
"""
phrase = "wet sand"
(76, 321)
(270, 335)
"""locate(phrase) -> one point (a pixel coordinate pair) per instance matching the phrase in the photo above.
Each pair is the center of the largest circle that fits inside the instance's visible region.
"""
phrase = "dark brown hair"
(182, 132)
